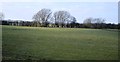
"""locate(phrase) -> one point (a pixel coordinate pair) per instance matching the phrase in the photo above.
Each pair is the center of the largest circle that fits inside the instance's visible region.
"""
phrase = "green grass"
(0, 42)
(59, 43)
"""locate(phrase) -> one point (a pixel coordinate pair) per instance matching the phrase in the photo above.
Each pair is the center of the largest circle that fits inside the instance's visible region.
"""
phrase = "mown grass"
(59, 43)
(0, 43)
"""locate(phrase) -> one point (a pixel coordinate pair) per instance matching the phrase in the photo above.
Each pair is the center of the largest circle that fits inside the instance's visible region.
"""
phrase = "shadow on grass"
(28, 60)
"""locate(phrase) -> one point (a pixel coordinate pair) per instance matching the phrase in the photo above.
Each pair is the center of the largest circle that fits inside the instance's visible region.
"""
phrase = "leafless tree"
(99, 20)
(61, 17)
(42, 17)
(1, 16)
(88, 21)
(94, 20)
(72, 19)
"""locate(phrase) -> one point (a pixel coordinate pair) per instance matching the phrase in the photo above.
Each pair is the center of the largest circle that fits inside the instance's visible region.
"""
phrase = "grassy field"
(59, 43)
(0, 42)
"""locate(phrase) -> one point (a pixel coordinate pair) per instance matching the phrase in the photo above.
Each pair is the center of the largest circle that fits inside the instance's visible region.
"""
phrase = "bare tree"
(1, 16)
(99, 20)
(42, 17)
(61, 17)
(96, 21)
(72, 22)
(88, 22)
(73, 19)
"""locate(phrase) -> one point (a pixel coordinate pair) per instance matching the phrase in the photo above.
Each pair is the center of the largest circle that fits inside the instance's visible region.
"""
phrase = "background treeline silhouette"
(71, 25)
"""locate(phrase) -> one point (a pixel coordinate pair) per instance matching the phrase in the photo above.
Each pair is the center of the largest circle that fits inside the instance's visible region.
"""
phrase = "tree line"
(46, 18)
(72, 25)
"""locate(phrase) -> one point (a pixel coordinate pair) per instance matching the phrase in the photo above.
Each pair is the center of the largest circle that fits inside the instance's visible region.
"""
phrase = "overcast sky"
(80, 10)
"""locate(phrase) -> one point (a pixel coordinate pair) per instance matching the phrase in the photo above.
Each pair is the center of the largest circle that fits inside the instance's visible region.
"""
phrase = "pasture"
(36, 43)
